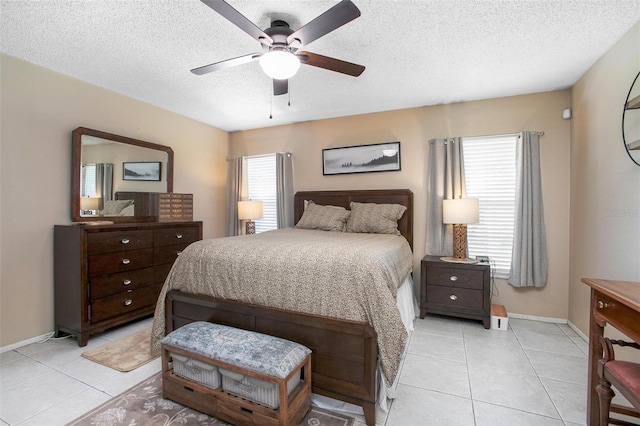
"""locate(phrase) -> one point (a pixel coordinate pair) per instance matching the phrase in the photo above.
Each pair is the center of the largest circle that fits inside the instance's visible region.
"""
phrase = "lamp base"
(250, 227)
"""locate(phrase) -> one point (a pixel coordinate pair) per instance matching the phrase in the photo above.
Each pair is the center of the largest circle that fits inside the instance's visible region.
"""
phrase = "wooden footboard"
(344, 357)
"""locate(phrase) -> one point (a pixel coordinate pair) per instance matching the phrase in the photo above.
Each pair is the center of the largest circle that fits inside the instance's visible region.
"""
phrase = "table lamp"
(89, 205)
(459, 212)
(249, 210)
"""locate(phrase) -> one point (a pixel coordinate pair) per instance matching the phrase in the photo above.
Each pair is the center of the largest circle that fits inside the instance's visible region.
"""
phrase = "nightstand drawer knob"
(602, 304)
(453, 278)
(125, 241)
(128, 302)
(126, 261)
(178, 236)
(453, 297)
(126, 282)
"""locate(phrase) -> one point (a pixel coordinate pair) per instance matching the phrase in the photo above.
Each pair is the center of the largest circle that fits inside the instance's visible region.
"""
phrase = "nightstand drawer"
(453, 277)
(454, 297)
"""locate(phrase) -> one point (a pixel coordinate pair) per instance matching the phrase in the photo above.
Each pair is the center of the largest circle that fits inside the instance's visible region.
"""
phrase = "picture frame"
(142, 170)
(378, 157)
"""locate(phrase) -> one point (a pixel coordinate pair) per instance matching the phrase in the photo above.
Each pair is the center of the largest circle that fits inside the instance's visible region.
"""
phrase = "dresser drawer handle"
(128, 302)
(126, 261)
(453, 278)
(125, 241)
(602, 304)
(178, 253)
(126, 282)
(178, 236)
(453, 297)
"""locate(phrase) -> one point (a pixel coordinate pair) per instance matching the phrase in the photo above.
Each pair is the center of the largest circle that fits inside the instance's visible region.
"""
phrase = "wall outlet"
(484, 259)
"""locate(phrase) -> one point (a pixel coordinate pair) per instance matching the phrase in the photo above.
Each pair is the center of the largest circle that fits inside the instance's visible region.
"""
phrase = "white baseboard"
(578, 332)
(536, 318)
(25, 342)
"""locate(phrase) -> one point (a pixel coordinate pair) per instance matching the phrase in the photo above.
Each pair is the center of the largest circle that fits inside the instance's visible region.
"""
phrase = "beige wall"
(40, 108)
(413, 128)
(605, 183)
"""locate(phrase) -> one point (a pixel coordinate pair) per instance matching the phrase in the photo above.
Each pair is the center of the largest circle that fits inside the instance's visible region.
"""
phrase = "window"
(261, 186)
(88, 180)
(490, 173)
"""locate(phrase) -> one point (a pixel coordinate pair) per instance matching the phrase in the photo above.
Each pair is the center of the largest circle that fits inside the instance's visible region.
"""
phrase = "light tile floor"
(455, 373)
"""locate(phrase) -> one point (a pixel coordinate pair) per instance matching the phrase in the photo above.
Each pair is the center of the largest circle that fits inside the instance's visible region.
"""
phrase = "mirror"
(105, 165)
(631, 121)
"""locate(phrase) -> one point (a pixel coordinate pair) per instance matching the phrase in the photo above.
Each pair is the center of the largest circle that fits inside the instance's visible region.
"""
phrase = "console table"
(616, 303)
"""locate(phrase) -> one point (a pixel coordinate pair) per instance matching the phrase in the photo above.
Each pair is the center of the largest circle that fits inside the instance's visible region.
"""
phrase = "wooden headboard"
(344, 198)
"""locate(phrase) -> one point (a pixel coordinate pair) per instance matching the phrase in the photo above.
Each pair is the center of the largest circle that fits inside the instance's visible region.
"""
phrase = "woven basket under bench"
(238, 376)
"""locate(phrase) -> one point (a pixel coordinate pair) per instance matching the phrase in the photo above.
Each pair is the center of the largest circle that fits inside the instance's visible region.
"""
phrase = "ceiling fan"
(282, 56)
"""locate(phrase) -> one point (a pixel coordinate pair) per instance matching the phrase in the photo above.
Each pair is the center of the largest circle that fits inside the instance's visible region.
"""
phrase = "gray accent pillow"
(324, 218)
(375, 218)
(114, 207)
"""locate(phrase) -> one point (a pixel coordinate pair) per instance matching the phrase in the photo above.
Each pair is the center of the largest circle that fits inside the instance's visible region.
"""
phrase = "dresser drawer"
(180, 235)
(455, 297)
(105, 242)
(123, 303)
(449, 277)
(101, 264)
(167, 254)
(160, 272)
(107, 285)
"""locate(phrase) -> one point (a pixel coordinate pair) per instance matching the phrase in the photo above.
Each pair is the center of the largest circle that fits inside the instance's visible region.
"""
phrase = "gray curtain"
(104, 182)
(529, 253)
(445, 179)
(284, 189)
(234, 191)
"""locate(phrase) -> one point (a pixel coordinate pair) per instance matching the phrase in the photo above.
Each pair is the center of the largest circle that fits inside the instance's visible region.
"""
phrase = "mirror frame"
(76, 160)
(624, 114)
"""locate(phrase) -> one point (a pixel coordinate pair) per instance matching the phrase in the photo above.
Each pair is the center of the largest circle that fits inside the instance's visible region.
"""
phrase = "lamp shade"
(279, 64)
(460, 211)
(89, 203)
(249, 210)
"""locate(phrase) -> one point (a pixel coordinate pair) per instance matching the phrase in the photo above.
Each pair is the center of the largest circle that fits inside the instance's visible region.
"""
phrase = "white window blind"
(261, 186)
(490, 173)
(88, 180)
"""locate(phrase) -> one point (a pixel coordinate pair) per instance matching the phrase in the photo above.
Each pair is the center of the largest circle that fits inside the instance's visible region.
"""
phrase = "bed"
(346, 351)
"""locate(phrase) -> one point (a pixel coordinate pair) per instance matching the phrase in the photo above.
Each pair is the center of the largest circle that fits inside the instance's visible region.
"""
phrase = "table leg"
(596, 330)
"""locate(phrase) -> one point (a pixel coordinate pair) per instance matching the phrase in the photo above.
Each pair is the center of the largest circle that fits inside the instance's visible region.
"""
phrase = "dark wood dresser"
(455, 289)
(107, 275)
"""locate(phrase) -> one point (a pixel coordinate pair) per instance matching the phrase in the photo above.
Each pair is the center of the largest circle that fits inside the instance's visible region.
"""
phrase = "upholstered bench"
(235, 375)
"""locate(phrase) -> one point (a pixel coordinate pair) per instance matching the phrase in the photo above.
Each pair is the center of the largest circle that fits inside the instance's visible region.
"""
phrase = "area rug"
(142, 405)
(124, 354)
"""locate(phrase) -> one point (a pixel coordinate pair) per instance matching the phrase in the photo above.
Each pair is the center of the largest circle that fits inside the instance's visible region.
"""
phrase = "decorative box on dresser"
(455, 289)
(107, 275)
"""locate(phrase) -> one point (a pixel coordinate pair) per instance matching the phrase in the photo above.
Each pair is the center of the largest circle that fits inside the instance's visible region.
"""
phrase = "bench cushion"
(255, 351)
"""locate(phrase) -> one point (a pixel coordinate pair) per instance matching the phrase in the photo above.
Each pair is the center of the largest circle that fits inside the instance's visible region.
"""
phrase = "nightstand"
(455, 289)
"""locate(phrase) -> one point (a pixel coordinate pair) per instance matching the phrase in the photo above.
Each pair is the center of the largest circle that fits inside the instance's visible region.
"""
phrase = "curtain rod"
(431, 141)
(261, 155)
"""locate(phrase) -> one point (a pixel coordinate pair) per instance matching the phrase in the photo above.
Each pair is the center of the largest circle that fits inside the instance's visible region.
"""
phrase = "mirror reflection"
(110, 169)
(631, 121)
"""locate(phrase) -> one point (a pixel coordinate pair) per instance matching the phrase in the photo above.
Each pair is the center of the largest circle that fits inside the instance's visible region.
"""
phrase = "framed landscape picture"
(143, 170)
(379, 157)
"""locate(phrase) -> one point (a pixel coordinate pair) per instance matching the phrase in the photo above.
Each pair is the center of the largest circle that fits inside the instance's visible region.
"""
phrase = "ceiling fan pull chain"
(289, 94)
(270, 107)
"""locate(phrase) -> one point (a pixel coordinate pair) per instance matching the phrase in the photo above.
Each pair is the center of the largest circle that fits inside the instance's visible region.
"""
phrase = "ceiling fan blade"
(337, 16)
(239, 20)
(331, 64)
(226, 64)
(280, 87)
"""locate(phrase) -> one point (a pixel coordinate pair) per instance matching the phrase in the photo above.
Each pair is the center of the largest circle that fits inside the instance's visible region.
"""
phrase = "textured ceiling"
(416, 52)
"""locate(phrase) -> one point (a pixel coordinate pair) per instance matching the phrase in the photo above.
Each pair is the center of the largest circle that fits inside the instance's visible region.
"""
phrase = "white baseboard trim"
(26, 342)
(578, 331)
(536, 318)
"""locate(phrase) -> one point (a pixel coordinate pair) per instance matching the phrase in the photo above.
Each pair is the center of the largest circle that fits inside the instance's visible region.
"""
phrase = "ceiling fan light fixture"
(279, 64)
